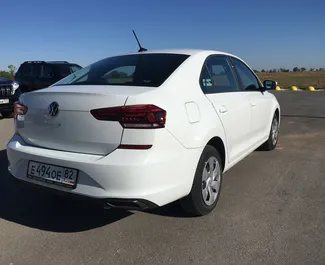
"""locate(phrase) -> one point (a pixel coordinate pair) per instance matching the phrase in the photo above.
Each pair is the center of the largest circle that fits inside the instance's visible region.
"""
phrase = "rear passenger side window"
(25, 70)
(217, 76)
(47, 71)
(36, 70)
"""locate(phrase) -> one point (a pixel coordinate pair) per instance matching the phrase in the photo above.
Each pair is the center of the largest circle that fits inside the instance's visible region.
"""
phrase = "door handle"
(223, 109)
(253, 104)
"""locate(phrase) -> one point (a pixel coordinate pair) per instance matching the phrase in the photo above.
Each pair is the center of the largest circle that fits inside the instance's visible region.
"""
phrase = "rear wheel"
(206, 186)
(272, 141)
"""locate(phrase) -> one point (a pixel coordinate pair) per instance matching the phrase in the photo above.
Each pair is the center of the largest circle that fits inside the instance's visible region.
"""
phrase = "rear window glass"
(129, 70)
(66, 69)
(24, 70)
(36, 70)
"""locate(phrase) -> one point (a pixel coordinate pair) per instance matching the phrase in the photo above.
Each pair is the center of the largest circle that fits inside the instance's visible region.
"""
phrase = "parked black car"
(9, 93)
(34, 75)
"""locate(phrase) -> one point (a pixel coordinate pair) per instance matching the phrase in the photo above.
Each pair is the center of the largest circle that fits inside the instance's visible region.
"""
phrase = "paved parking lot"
(271, 211)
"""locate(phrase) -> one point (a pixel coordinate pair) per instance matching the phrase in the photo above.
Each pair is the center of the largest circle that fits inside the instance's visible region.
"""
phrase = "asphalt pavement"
(271, 211)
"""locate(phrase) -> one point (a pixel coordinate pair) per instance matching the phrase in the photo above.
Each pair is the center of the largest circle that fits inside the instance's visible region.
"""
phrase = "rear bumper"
(8, 107)
(128, 179)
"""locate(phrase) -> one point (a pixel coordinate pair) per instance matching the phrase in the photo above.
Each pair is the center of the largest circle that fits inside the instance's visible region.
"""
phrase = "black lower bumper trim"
(106, 203)
(129, 204)
(8, 107)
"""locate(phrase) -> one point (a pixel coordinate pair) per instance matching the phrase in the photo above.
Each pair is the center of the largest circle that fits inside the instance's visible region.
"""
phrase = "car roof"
(50, 62)
(182, 51)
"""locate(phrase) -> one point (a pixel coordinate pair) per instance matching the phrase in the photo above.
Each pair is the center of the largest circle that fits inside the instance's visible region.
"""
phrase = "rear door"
(221, 87)
(259, 101)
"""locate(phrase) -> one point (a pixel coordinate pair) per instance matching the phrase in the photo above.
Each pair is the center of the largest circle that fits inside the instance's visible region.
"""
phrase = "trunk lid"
(74, 129)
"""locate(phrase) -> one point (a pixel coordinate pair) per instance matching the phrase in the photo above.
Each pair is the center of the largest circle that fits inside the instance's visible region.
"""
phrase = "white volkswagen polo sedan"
(145, 129)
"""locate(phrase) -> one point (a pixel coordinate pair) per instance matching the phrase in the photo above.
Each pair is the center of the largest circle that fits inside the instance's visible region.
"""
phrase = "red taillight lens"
(134, 116)
(19, 109)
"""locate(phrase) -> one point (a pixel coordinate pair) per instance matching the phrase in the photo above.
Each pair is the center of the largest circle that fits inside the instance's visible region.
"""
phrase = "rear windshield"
(128, 70)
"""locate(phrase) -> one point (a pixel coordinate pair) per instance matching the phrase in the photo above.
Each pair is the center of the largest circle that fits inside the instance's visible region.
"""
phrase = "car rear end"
(8, 95)
(82, 135)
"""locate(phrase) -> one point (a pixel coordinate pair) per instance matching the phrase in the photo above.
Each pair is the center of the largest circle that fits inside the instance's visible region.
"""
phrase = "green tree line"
(284, 70)
(10, 73)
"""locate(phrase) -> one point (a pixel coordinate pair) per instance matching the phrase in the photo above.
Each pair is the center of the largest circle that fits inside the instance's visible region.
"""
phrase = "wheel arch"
(278, 113)
(218, 144)
(217, 138)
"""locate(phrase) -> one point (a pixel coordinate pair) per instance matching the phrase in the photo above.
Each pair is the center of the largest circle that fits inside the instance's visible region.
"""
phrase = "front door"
(259, 100)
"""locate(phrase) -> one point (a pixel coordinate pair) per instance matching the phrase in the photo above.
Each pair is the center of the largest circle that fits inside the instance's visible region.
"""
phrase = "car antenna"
(141, 48)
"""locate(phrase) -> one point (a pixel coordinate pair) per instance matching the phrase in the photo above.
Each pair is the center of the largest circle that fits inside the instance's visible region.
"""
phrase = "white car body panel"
(234, 111)
(76, 139)
(193, 112)
(262, 109)
(120, 174)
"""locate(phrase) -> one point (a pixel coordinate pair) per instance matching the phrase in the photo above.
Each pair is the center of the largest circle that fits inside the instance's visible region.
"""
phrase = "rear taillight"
(19, 109)
(134, 116)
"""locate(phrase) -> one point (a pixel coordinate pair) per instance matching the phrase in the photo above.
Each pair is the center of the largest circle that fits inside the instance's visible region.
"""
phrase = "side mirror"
(269, 84)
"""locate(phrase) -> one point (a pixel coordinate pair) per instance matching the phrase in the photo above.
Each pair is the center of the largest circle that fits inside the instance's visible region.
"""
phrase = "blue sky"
(266, 34)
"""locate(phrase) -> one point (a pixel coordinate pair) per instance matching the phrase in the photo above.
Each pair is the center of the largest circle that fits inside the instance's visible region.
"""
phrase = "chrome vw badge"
(54, 109)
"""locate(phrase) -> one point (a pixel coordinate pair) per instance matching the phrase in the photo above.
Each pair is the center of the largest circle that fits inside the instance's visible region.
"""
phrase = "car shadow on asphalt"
(171, 210)
(31, 206)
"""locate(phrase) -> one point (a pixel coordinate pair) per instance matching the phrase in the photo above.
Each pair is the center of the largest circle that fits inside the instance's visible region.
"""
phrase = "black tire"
(270, 144)
(7, 114)
(194, 203)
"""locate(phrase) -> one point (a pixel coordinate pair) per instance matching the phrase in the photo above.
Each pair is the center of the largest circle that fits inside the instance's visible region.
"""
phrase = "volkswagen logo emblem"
(54, 109)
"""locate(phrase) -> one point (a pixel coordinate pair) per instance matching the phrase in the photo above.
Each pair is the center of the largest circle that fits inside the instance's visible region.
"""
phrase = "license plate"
(62, 176)
(4, 101)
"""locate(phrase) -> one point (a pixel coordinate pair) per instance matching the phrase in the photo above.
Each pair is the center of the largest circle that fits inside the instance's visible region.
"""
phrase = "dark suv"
(34, 75)
(9, 93)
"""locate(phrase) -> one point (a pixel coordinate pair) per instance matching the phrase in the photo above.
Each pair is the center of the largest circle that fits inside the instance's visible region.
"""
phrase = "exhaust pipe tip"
(129, 204)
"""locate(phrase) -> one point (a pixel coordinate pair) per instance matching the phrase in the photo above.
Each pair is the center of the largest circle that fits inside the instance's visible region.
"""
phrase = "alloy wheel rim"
(211, 181)
(275, 131)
